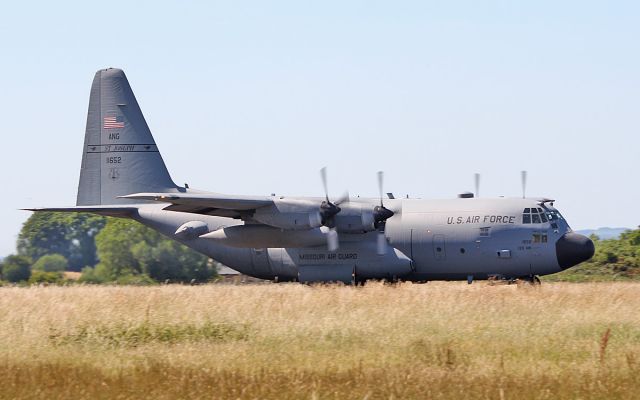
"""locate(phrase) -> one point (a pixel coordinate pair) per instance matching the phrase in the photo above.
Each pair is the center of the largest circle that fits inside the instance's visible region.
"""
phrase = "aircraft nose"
(573, 248)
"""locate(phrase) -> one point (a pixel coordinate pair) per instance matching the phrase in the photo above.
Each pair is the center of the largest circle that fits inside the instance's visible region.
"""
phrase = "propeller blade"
(323, 175)
(380, 181)
(381, 244)
(332, 240)
(477, 178)
(342, 199)
(523, 176)
(381, 213)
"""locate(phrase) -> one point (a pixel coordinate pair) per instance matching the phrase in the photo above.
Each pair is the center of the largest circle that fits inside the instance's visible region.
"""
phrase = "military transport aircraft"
(313, 239)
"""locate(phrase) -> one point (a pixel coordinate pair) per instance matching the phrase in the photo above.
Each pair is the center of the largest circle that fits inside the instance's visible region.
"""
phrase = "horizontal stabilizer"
(109, 211)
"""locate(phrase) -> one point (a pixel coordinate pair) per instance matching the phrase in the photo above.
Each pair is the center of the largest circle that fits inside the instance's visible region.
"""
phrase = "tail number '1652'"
(113, 160)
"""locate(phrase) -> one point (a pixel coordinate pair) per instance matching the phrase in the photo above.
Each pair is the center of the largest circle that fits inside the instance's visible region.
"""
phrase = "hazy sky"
(255, 97)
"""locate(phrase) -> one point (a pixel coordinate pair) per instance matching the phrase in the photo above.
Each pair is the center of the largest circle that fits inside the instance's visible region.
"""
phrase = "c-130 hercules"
(313, 239)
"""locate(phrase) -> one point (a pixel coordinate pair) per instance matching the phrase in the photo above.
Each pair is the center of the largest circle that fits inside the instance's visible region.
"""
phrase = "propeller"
(328, 210)
(323, 175)
(332, 240)
(523, 177)
(380, 182)
(380, 216)
(477, 179)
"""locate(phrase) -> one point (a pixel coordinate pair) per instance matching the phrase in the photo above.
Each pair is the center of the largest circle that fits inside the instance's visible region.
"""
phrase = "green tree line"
(614, 259)
(108, 249)
(103, 249)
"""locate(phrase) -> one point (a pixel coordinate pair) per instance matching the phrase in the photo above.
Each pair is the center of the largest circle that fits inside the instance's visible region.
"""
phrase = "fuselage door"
(260, 260)
(439, 250)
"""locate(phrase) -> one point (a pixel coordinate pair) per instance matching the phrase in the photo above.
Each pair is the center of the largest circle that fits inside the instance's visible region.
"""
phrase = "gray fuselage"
(429, 240)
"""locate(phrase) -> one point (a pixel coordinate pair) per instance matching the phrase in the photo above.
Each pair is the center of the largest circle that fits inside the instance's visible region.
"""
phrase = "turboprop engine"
(299, 223)
(290, 214)
(354, 218)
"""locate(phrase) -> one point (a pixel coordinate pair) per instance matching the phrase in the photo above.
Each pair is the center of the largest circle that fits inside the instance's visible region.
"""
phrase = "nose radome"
(573, 248)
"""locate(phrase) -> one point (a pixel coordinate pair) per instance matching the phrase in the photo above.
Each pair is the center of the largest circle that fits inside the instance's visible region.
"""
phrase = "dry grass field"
(288, 341)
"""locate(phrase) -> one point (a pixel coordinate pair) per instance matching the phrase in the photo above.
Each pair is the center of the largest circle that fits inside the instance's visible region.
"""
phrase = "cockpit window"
(535, 215)
(554, 215)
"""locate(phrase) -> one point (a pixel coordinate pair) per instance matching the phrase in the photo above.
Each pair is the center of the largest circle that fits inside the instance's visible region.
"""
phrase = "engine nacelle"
(290, 214)
(355, 218)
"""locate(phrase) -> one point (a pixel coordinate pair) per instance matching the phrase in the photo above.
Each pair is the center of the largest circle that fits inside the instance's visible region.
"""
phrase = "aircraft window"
(527, 210)
(539, 209)
(535, 218)
(485, 231)
(544, 217)
(554, 225)
(540, 238)
(554, 215)
(526, 218)
(462, 250)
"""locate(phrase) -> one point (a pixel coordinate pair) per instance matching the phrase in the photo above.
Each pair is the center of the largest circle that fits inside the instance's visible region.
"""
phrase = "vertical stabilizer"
(119, 156)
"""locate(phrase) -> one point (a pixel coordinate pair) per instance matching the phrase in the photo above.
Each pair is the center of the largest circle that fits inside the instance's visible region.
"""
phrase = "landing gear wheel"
(531, 280)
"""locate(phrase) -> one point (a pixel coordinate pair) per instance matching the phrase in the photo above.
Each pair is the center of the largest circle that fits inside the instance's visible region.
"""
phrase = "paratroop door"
(439, 250)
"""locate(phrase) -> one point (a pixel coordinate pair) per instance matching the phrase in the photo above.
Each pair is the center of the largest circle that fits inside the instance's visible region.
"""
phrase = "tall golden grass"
(289, 341)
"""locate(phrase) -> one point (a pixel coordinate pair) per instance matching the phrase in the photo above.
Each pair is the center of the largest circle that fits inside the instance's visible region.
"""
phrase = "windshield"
(556, 218)
(534, 215)
(554, 215)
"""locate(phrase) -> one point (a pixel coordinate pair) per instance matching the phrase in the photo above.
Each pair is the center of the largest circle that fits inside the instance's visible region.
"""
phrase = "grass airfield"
(290, 341)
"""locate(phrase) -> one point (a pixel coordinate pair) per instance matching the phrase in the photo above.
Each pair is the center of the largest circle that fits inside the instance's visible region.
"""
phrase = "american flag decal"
(113, 122)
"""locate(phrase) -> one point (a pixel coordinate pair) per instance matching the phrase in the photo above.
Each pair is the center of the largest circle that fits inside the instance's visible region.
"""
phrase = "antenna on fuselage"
(477, 178)
(523, 177)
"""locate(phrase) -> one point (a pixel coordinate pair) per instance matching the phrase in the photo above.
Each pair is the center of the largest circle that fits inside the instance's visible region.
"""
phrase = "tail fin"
(119, 156)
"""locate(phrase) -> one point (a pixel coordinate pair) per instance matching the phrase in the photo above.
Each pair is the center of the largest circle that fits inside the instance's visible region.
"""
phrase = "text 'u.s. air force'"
(481, 219)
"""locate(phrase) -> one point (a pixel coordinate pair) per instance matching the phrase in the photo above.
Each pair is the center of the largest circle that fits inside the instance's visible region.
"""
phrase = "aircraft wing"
(217, 204)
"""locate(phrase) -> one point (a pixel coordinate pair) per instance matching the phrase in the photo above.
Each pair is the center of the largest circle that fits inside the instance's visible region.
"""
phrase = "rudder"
(119, 156)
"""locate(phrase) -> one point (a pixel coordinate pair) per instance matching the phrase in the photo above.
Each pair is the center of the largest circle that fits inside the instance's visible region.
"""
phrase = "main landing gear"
(529, 280)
